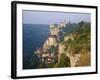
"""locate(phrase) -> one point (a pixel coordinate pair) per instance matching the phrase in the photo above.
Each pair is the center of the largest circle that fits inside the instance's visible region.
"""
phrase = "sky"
(44, 17)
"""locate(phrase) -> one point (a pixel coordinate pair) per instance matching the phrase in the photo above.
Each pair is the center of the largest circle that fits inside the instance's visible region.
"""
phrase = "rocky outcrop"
(74, 59)
(77, 59)
(52, 40)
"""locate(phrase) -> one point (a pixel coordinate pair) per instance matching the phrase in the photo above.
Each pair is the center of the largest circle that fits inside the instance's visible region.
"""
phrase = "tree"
(53, 49)
(64, 61)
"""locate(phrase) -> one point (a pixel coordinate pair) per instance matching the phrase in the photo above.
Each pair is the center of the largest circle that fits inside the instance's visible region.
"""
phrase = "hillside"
(77, 47)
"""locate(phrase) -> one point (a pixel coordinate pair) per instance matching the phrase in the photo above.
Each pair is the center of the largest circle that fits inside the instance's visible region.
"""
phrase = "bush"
(64, 61)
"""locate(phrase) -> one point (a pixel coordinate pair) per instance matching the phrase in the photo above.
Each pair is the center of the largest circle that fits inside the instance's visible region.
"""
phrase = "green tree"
(64, 61)
(53, 49)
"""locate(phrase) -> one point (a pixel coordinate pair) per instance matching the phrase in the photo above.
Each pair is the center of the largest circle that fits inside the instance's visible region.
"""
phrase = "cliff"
(73, 46)
(76, 46)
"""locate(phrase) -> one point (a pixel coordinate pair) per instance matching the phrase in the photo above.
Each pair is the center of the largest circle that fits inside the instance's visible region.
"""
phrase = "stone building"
(54, 30)
(62, 24)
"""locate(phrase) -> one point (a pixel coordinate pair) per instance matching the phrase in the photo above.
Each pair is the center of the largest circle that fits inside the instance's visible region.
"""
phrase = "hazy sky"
(42, 17)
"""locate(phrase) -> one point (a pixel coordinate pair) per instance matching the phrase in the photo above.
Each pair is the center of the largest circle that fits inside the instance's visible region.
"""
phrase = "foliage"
(81, 42)
(53, 49)
(51, 65)
(64, 61)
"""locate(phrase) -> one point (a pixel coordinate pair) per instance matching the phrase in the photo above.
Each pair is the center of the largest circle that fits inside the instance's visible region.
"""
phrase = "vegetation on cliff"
(81, 39)
(64, 61)
(81, 43)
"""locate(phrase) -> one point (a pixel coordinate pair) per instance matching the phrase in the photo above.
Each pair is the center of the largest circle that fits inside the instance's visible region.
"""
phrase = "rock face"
(52, 40)
(78, 59)
(74, 59)
(66, 38)
(85, 59)
(61, 48)
(54, 30)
